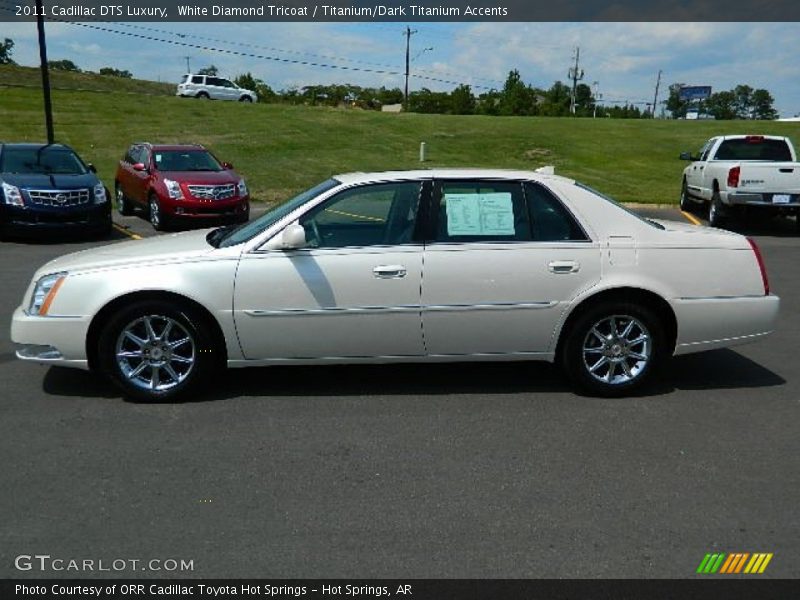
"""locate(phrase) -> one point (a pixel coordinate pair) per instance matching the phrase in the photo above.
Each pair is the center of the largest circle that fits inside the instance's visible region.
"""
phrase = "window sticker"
(479, 214)
(158, 158)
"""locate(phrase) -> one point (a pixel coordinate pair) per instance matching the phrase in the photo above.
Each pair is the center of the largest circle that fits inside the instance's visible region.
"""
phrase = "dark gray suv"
(48, 187)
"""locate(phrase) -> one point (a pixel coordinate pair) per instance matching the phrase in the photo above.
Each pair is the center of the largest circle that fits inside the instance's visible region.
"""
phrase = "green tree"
(723, 105)
(462, 100)
(516, 97)
(426, 101)
(556, 101)
(115, 73)
(488, 103)
(6, 47)
(763, 108)
(743, 102)
(209, 70)
(675, 105)
(63, 65)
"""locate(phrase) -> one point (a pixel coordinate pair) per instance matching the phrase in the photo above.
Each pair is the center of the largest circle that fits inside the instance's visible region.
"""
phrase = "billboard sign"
(694, 92)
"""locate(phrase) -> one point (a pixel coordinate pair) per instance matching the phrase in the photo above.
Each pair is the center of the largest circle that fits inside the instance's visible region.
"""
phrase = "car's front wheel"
(156, 351)
(247, 99)
(123, 205)
(613, 348)
(157, 218)
(685, 203)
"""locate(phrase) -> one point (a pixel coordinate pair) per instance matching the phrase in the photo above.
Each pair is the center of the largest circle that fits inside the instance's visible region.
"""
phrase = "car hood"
(176, 247)
(202, 177)
(45, 182)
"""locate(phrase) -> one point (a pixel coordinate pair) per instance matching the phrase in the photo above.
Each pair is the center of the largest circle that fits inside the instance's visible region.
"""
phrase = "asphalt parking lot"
(495, 471)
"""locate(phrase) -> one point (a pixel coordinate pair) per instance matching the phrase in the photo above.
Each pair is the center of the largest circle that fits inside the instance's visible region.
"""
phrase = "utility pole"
(655, 97)
(597, 97)
(48, 107)
(575, 74)
(188, 70)
(408, 33)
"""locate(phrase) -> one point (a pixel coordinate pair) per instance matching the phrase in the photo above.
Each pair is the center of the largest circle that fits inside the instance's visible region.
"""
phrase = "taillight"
(754, 139)
(733, 176)
(761, 266)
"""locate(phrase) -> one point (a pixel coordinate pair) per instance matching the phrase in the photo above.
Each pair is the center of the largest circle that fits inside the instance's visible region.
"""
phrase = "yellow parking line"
(691, 218)
(126, 232)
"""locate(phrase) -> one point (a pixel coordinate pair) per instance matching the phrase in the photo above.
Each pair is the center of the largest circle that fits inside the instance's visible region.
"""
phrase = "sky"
(623, 58)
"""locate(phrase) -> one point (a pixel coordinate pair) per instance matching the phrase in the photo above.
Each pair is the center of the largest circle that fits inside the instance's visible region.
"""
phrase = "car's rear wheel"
(157, 217)
(123, 205)
(613, 348)
(716, 212)
(203, 96)
(156, 351)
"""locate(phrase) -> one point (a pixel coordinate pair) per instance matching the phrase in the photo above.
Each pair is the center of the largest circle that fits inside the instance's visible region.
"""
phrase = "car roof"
(32, 145)
(448, 173)
(168, 147)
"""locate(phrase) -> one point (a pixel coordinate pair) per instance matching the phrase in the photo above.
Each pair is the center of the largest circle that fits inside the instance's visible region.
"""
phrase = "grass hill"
(282, 149)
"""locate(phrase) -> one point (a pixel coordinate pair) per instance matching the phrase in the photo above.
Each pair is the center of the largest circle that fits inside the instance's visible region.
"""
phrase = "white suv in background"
(212, 87)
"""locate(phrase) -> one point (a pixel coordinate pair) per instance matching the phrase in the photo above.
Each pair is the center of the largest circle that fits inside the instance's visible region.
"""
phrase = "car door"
(695, 174)
(140, 179)
(505, 259)
(353, 291)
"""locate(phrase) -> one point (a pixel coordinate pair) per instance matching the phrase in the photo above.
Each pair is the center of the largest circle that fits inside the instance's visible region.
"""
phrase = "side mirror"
(139, 167)
(686, 156)
(227, 165)
(91, 167)
(293, 237)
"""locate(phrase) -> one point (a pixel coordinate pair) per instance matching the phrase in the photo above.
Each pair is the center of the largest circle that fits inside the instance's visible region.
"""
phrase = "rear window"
(44, 160)
(198, 79)
(755, 148)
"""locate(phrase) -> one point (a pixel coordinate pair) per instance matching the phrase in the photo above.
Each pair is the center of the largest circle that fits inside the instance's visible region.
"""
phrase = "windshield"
(620, 206)
(230, 236)
(186, 160)
(41, 161)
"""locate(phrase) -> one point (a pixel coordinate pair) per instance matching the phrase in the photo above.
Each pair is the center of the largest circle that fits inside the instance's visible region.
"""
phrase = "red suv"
(179, 182)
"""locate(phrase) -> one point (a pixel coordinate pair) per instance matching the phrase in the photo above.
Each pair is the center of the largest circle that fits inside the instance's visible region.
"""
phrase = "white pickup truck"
(736, 173)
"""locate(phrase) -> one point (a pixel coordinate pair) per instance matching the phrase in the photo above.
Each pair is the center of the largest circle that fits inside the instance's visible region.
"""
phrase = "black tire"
(203, 96)
(624, 370)
(686, 203)
(246, 99)
(155, 215)
(716, 211)
(149, 370)
(123, 204)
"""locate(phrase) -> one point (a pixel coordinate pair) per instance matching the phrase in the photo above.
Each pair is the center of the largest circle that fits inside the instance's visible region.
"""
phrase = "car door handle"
(560, 267)
(389, 271)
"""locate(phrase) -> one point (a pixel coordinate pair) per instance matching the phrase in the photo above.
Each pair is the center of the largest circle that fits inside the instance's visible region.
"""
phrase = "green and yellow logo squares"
(735, 562)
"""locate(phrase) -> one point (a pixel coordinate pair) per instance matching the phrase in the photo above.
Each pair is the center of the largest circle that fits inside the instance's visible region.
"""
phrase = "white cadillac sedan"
(434, 265)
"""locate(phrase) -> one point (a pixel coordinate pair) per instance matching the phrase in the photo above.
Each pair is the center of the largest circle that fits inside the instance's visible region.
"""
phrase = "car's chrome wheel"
(155, 353)
(612, 348)
(616, 349)
(685, 203)
(123, 207)
(158, 350)
(156, 220)
(716, 214)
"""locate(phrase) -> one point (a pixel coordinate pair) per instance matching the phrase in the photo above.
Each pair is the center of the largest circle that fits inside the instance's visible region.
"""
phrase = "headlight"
(173, 189)
(44, 293)
(12, 195)
(99, 194)
(242, 188)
